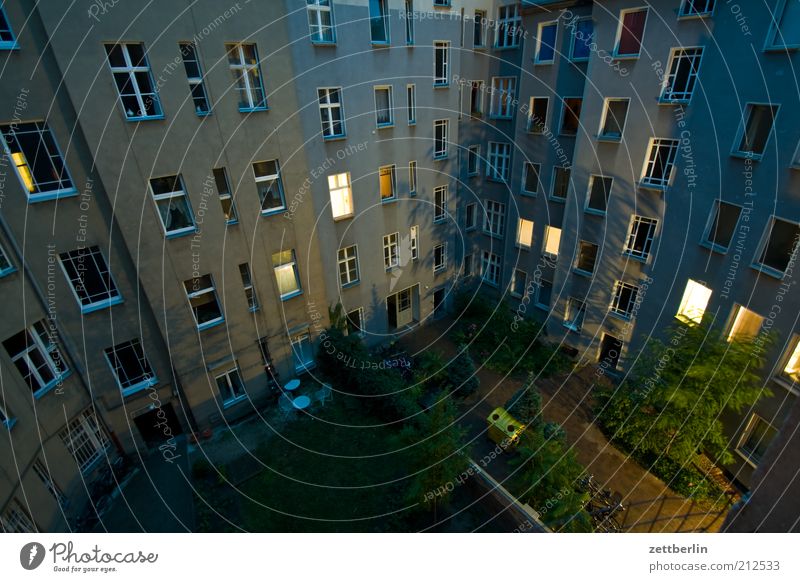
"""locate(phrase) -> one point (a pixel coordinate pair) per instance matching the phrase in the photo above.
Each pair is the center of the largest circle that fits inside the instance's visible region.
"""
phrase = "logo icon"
(31, 555)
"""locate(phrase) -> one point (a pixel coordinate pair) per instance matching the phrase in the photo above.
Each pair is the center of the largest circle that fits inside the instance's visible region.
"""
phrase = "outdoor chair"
(324, 393)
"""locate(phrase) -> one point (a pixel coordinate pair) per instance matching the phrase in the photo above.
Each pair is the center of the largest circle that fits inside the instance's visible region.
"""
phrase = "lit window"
(320, 21)
(537, 114)
(173, 205)
(269, 186)
(624, 299)
(246, 70)
(561, 177)
(491, 268)
(303, 352)
(530, 178)
(130, 366)
(791, 369)
(756, 438)
(503, 91)
(441, 62)
(249, 288)
(330, 111)
(34, 353)
(746, 324)
(681, 79)
(384, 109)
(494, 219)
(546, 42)
(7, 38)
(582, 39)
(552, 241)
(509, 26)
(348, 266)
(659, 163)
(230, 385)
(587, 257)
(631, 32)
(599, 192)
(440, 128)
(341, 195)
(391, 257)
(439, 203)
(225, 195)
(753, 136)
(439, 257)
(194, 73)
(641, 233)
(779, 246)
(135, 87)
(722, 225)
(387, 182)
(286, 274)
(37, 160)
(379, 21)
(90, 278)
(576, 311)
(85, 440)
(525, 233)
(614, 115)
(498, 163)
(697, 7)
(202, 297)
(473, 160)
(694, 302)
(571, 115)
(784, 30)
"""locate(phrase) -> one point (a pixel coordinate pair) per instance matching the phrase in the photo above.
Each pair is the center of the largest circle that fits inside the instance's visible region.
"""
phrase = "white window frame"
(316, 26)
(410, 18)
(249, 288)
(347, 258)
(686, 12)
(499, 158)
(508, 17)
(342, 192)
(589, 209)
(384, 17)
(199, 293)
(538, 169)
(413, 242)
(43, 342)
(442, 266)
(553, 183)
(390, 96)
(391, 251)
(746, 433)
(441, 47)
(504, 90)
(392, 169)
(772, 42)
(478, 29)
(736, 150)
(195, 82)
(616, 297)
(231, 398)
(412, 178)
(688, 309)
(584, 272)
(621, 26)
(85, 435)
(5, 25)
(494, 218)
(411, 103)
(574, 314)
(327, 108)
(678, 55)
(225, 195)
(284, 265)
(242, 70)
(6, 265)
(306, 364)
(790, 377)
(654, 145)
(276, 177)
(512, 285)
(130, 70)
(757, 263)
(440, 153)
(522, 244)
(148, 376)
(530, 128)
(636, 223)
(470, 211)
(537, 302)
(90, 255)
(574, 27)
(476, 105)
(474, 153)
(439, 210)
(550, 233)
(713, 217)
(491, 264)
(541, 26)
(182, 194)
(602, 134)
(730, 328)
(564, 109)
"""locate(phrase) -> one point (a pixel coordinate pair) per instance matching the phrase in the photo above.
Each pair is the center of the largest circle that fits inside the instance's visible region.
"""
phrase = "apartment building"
(186, 189)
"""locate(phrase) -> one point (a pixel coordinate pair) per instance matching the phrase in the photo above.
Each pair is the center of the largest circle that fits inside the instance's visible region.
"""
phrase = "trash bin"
(504, 429)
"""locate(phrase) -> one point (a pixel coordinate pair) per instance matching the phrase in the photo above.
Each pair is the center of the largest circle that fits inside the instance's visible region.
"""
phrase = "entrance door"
(438, 303)
(405, 315)
(610, 349)
(156, 427)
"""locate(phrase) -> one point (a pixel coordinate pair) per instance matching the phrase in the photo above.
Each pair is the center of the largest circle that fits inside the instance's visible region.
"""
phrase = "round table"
(301, 402)
(292, 385)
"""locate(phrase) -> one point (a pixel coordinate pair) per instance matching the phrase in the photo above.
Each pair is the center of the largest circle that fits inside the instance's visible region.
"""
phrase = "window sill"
(747, 155)
(305, 368)
(618, 315)
(9, 46)
(273, 211)
(440, 157)
(572, 328)
(582, 273)
(528, 193)
(505, 48)
(685, 320)
(380, 43)
(323, 43)
(773, 48)
(343, 217)
(557, 199)
(232, 222)
(440, 220)
(85, 309)
(210, 324)
(144, 118)
(412, 123)
(768, 271)
(439, 270)
(636, 258)
(291, 295)
(785, 383)
(9, 424)
(500, 117)
(654, 187)
(538, 62)
(714, 248)
(254, 309)
(253, 109)
(339, 137)
(562, 134)
(490, 283)
(542, 306)
(203, 113)
(58, 381)
(234, 401)
(351, 284)
(594, 212)
(580, 60)
(493, 235)
(6, 272)
(522, 247)
(470, 228)
(384, 125)
(441, 85)
(136, 388)
(746, 458)
(631, 57)
(496, 180)
(181, 233)
(54, 195)
(694, 16)
(609, 138)
(473, 174)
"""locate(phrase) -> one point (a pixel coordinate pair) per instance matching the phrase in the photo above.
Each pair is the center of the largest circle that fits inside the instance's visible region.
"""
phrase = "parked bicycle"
(603, 506)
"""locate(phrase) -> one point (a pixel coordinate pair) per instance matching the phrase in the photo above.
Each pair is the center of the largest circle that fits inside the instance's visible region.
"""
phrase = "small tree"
(461, 374)
(680, 389)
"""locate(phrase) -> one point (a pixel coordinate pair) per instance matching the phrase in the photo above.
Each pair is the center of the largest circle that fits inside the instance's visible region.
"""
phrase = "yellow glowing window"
(525, 233)
(386, 175)
(552, 240)
(341, 195)
(792, 368)
(746, 324)
(694, 302)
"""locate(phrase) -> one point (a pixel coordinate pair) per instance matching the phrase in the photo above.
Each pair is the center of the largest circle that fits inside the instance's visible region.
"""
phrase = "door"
(610, 348)
(438, 303)
(158, 425)
(405, 315)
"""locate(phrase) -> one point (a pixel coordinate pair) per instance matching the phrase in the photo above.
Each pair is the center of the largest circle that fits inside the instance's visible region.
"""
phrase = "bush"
(461, 376)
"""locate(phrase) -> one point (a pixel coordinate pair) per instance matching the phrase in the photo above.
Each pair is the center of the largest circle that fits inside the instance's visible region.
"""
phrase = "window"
(91, 279)
(630, 32)
(524, 233)
(791, 368)
(246, 70)
(623, 301)
(411, 103)
(641, 233)
(694, 302)
(47, 480)
(85, 440)
(614, 114)
(779, 247)
(552, 241)
(476, 99)
(6, 419)
(561, 182)
(469, 216)
(546, 43)
(697, 7)
(7, 38)
(440, 128)
(544, 294)
(37, 160)
(745, 324)
(441, 3)
(478, 36)
(130, 366)
(230, 386)
(387, 182)
(491, 268)
(468, 265)
(784, 30)
(173, 205)
(494, 219)
(682, 76)
(284, 264)
(15, 519)
(320, 21)
(35, 354)
(194, 74)
(582, 38)
(303, 352)
(473, 160)
(439, 257)
(722, 225)
(202, 297)
(379, 21)
(587, 257)
(757, 436)
(390, 251)
(757, 128)
(410, 17)
(571, 115)
(414, 242)
(355, 322)
(412, 178)
(331, 112)
(439, 203)
(509, 26)
(6, 266)
(659, 163)
(384, 110)
(135, 87)
(341, 195)
(530, 178)
(537, 116)
(225, 195)
(269, 186)
(441, 63)
(576, 311)
(519, 282)
(249, 289)
(499, 161)
(348, 266)
(599, 192)
(503, 90)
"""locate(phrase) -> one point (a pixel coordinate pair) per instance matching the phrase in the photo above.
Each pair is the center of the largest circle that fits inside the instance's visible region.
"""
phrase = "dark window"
(760, 119)
(570, 121)
(537, 121)
(781, 245)
(599, 192)
(531, 177)
(587, 256)
(614, 122)
(560, 182)
(630, 35)
(726, 216)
